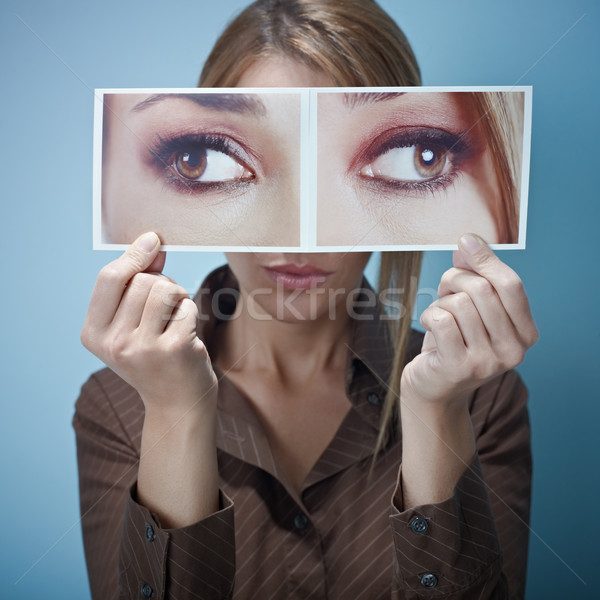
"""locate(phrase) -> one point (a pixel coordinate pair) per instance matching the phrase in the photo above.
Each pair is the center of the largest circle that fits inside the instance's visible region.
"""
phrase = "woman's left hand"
(480, 327)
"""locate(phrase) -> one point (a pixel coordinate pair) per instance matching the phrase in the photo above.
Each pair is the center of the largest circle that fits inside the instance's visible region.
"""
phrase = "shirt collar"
(370, 355)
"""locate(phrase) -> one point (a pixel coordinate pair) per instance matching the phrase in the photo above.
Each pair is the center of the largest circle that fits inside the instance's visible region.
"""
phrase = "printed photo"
(201, 168)
(418, 168)
(312, 169)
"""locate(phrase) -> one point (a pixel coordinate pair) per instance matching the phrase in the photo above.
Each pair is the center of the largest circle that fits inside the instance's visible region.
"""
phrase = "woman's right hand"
(143, 326)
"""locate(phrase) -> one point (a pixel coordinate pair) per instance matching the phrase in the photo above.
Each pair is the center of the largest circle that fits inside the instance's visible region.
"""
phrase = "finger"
(494, 317)
(428, 342)
(475, 255)
(161, 306)
(161, 275)
(131, 308)
(442, 326)
(114, 277)
(468, 320)
(183, 328)
(185, 317)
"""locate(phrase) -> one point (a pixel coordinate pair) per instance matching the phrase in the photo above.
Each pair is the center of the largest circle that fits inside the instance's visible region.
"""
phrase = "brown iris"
(191, 165)
(429, 160)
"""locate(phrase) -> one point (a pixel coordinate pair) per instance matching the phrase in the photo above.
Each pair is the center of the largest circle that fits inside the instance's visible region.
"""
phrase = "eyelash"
(457, 145)
(164, 151)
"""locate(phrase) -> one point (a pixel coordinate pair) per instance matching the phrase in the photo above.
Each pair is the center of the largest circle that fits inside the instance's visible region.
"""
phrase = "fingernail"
(147, 243)
(471, 243)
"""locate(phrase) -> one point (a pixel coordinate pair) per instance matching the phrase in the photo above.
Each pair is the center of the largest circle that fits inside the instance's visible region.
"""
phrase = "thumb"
(158, 264)
(474, 254)
(114, 277)
(141, 254)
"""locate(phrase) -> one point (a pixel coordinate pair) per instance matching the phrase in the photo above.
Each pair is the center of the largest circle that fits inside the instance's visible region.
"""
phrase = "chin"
(297, 306)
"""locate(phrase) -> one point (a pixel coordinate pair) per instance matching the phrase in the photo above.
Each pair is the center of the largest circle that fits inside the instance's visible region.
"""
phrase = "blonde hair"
(501, 116)
(357, 44)
(354, 41)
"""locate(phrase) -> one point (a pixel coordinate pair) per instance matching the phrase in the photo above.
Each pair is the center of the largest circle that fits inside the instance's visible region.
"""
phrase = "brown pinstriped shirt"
(345, 536)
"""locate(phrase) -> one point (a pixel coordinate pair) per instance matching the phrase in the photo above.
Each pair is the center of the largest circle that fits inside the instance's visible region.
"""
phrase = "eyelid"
(163, 148)
(459, 144)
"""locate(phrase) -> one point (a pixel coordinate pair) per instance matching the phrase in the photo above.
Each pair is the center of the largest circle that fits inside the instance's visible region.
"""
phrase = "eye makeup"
(201, 162)
(413, 160)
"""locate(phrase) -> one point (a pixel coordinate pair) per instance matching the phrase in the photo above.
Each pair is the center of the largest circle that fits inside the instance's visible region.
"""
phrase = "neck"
(294, 351)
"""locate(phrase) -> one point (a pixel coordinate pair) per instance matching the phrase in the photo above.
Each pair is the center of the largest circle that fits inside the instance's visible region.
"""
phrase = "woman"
(316, 453)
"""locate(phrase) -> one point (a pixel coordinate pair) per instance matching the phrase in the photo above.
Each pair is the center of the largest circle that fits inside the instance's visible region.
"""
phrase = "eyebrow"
(354, 99)
(236, 103)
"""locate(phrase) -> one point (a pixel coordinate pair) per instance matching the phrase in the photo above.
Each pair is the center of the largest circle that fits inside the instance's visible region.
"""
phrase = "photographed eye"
(414, 159)
(414, 163)
(201, 161)
(202, 164)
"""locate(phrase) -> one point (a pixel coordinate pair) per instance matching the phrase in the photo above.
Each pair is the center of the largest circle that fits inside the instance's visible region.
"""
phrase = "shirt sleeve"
(128, 553)
(474, 544)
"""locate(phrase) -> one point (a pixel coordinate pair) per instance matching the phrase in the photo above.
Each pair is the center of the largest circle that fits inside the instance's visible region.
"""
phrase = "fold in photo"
(312, 169)
(201, 168)
(418, 168)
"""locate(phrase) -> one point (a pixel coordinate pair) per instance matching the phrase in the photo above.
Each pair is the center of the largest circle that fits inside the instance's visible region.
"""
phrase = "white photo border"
(308, 166)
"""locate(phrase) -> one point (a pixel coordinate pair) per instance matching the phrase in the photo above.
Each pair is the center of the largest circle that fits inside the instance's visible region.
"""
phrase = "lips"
(296, 277)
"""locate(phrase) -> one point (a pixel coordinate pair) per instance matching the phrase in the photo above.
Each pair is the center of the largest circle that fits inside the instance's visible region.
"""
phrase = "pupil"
(428, 156)
(191, 159)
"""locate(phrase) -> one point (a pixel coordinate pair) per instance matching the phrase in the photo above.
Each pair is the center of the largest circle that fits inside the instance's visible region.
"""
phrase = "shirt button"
(373, 399)
(419, 525)
(146, 590)
(429, 580)
(150, 533)
(300, 521)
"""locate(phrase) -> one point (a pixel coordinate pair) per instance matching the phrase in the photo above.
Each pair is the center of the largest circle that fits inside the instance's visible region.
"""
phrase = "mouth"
(295, 277)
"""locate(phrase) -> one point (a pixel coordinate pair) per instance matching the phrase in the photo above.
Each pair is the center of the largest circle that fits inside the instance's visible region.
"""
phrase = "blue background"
(52, 54)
